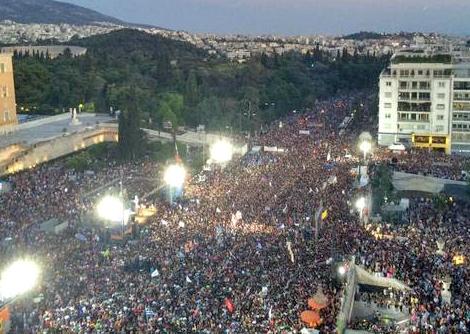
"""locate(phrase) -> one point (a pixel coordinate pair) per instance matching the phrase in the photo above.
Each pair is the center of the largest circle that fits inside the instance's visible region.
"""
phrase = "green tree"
(131, 137)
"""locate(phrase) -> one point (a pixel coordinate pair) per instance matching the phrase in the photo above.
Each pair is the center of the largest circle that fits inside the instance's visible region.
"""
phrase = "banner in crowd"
(270, 148)
(304, 132)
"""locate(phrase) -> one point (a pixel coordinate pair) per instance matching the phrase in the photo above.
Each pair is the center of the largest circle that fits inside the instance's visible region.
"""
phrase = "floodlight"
(342, 270)
(221, 151)
(18, 278)
(174, 175)
(111, 208)
(361, 204)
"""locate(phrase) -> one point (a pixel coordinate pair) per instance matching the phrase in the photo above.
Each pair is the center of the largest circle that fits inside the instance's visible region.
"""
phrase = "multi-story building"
(425, 100)
(7, 92)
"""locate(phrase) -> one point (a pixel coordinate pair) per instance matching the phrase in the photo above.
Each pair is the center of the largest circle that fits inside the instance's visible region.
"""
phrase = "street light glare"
(361, 204)
(221, 151)
(18, 278)
(111, 208)
(365, 146)
(342, 270)
(174, 175)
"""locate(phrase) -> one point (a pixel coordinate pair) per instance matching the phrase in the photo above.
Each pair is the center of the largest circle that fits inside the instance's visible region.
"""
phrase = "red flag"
(289, 221)
(229, 305)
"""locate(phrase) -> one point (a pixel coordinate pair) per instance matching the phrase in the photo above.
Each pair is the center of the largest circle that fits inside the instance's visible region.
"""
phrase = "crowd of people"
(428, 163)
(238, 253)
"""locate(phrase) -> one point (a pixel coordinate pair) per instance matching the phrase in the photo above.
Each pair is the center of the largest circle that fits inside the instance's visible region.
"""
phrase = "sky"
(292, 17)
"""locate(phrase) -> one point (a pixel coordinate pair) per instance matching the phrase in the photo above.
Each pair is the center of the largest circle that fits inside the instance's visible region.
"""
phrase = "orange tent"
(4, 319)
(315, 305)
(310, 318)
(318, 301)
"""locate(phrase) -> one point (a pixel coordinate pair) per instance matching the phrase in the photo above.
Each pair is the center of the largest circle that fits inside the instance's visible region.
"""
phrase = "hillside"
(49, 11)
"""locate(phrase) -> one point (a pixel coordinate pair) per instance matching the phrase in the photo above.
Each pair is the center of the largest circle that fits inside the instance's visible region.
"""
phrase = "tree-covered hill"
(175, 81)
(50, 11)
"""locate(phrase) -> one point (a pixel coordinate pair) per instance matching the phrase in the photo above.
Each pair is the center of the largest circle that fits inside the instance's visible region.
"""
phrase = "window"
(6, 115)
(439, 128)
(440, 117)
(388, 83)
(441, 96)
(387, 105)
(388, 94)
(388, 115)
(440, 106)
(4, 91)
(2, 68)
(442, 84)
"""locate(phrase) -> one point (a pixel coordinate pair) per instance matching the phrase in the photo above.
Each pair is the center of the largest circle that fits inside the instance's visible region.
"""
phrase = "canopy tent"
(310, 318)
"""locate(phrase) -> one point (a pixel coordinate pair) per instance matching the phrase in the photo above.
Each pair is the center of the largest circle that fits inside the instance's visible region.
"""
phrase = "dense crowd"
(237, 253)
(427, 163)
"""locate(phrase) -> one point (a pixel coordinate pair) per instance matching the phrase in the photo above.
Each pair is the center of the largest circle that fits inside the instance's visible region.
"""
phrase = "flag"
(155, 273)
(285, 209)
(188, 280)
(217, 210)
(289, 249)
(324, 215)
(229, 305)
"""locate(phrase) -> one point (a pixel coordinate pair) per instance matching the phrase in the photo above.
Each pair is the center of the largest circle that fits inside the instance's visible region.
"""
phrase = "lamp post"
(18, 278)
(111, 208)
(221, 152)
(365, 147)
(360, 206)
(174, 177)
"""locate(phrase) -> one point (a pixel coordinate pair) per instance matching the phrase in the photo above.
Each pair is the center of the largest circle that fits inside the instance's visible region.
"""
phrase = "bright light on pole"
(18, 278)
(361, 204)
(111, 208)
(221, 151)
(365, 147)
(174, 176)
(342, 270)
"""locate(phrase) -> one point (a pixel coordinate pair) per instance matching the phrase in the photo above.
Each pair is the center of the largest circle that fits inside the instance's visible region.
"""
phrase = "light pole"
(365, 147)
(174, 177)
(360, 206)
(221, 152)
(111, 208)
(18, 278)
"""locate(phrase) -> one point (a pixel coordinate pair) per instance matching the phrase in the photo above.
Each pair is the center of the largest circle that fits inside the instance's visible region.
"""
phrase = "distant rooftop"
(52, 50)
(422, 58)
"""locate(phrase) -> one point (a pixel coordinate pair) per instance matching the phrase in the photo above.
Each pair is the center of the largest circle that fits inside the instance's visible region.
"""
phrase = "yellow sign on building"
(7, 91)
(441, 142)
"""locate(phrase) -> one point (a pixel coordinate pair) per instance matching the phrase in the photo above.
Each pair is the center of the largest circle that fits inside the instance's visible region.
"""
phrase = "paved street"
(47, 128)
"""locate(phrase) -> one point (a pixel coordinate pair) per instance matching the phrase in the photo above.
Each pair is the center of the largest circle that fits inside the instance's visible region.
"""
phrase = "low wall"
(60, 146)
(364, 277)
(358, 275)
(413, 182)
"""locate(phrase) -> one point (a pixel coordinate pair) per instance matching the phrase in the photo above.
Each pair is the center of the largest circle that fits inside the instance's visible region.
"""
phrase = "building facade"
(7, 92)
(424, 101)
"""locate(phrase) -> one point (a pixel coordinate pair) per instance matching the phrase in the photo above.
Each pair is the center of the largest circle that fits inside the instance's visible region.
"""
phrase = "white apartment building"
(425, 101)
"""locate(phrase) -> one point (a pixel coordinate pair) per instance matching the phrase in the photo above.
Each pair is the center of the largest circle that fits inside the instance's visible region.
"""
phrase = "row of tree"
(154, 80)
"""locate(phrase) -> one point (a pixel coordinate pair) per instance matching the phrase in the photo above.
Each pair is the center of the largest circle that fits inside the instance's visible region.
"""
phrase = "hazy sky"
(292, 16)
